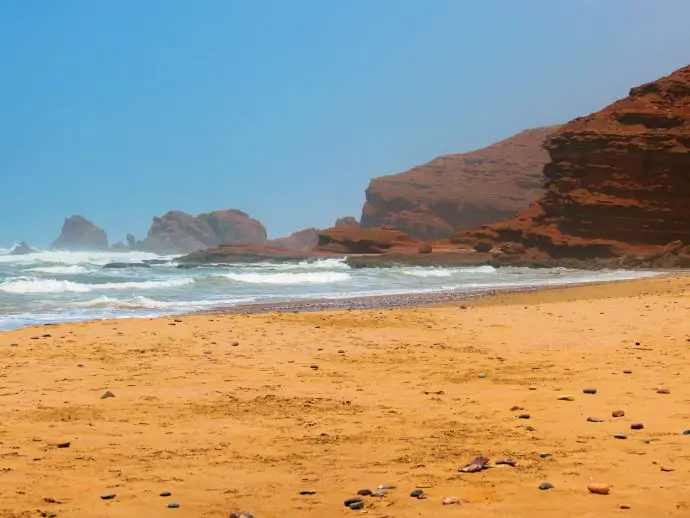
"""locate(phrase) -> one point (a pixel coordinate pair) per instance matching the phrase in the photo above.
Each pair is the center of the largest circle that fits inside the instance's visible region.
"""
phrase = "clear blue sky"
(123, 109)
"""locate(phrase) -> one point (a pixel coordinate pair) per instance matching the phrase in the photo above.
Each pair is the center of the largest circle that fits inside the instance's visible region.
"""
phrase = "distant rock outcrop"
(23, 248)
(461, 191)
(78, 233)
(354, 240)
(618, 186)
(301, 240)
(347, 221)
(179, 232)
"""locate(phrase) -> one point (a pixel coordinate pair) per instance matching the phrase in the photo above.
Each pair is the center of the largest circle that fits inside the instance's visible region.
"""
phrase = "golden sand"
(396, 399)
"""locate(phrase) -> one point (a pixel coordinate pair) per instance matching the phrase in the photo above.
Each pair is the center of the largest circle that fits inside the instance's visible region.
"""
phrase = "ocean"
(51, 287)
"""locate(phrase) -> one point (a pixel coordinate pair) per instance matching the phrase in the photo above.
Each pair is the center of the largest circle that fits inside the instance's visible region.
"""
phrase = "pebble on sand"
(545, 485)
(524, 416)
(623, 506)
(241, 514)
(667, 468)
(450, 500)
(351, 501)
(165, 493)
(589, 390)
(481, 375)
(663, 391)
(235, 344)
(686, 432)
(314, 367)
(356, 506)
(107, 394)
(620, 436)
(507, 461)
(627, 371)
(637, 426)
(416, 493)
(566, 398)
(598, 488)
(173, 505)
(618, 413)
(364, 492)
(65, 444)
(108, 496)
(596, 420)
(306, 492)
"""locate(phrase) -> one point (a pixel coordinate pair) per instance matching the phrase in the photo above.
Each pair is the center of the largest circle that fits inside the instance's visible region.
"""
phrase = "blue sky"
(122, 110)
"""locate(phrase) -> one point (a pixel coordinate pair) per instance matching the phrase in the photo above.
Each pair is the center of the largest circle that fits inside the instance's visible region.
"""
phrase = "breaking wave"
(33, 285)
(59, 270)
(288, 278)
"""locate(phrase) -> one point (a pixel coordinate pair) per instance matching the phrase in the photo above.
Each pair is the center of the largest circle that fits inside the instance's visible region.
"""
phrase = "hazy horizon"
(123, 111)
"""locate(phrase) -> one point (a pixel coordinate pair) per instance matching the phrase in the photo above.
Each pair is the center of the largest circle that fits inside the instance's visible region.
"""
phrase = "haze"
(121, 111)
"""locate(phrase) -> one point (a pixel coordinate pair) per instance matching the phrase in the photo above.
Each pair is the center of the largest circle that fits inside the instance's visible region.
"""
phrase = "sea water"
(50, 287)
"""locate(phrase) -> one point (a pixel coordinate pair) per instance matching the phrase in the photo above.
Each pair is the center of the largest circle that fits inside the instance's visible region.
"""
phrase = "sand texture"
(397, 398)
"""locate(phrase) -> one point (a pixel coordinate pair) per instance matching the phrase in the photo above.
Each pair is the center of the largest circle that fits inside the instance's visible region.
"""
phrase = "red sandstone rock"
(462, 191)
(354, 240)
(301, 240)
(78, 233)
(178, 232)
(347, 221)
(618, 183)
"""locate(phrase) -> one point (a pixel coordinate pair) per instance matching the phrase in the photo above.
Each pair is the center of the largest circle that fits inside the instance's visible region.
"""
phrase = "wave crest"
(33, 285)
(289, 278)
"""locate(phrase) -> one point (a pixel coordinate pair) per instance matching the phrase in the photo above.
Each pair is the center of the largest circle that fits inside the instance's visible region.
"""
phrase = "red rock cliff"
(618, 180)
(78, 233)
(461, 191)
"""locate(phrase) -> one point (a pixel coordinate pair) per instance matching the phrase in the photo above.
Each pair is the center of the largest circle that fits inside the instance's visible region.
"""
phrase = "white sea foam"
(25, 285)
(59, 270)
(140, 302)
(288, 278)
(72, 258)
(445, 272)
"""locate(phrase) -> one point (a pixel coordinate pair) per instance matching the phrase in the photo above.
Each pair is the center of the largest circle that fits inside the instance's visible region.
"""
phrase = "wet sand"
(397, 398)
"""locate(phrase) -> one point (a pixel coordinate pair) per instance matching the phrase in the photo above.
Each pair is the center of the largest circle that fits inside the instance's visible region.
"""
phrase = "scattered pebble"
(351, 501)
(620, 436)
(598, 488)
(314, 367)
(566, 398)
(173, 505)
(530, 428)
(108, 496)
(477, 464)
(623, 506)
(356, 506)
(507, 461)
(667, 468)
(340, 351)
(380, 493)
(241, 514)
(618, 413)
(481, 375)
(386, 487)
(596, 420)
(364, 492)
(524, 416)
(545, 485)
(305, 492)
(544, 455)
(107, 394)
(165, 493)
(450, 500)
(627, 371)
(637, 426)
(65, 444)
(417, 493)
(589, 391)
(235, 344)
(531, 388)
(663, 391)
(516, 407)
(686, 432)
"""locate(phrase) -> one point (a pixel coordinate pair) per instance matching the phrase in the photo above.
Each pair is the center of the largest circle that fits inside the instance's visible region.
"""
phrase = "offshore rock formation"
(23, 248)
(618, 186)
(78, 233)
(179, 232)
(347, 221)
(301, 240)
(461, 191)
(353, 240)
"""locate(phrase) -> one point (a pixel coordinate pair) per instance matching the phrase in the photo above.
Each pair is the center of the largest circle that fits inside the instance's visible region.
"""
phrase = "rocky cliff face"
(179, 232)
(618, 183)
(353, 240)
(461, 191)
(346, 221)
(78, 233)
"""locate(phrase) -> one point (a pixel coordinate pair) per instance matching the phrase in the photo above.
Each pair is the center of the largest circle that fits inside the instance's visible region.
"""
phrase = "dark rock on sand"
(65, 444)
(686, 432)
(173, 505)
(356, 506)
(364, 492)
(477, 464)
(618, 413)
(108, 496)
(117, 266)
(506, 461)
(241, 514)
(165, 493)
(524, 416)
(620, 436)
(416, 493)
(663, 391)
(351, 501)
(307, 492)
(595, 420)
(589, 391)
(545, 485)
(637, 426)
(107, 394)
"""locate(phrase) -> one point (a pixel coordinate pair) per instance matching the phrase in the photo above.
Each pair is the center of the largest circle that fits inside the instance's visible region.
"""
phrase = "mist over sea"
(49, 287)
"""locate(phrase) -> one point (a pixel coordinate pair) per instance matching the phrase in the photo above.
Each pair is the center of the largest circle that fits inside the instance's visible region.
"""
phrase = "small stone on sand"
(241, 514)
(235, 344)
(545, 485)
(589, 390)
(364, 492)
(566, 398)
(356, 506)
(165, 493)
(627, 371)
(663, 391)
(596, 420)
(108, 496)
(623, 506)
(314, 367)
(507, 461)
(351, 501)
(450, 500)
(481, 375)
(637, 426)
(618, 413)
(524, 416)
(598, 488)
(107, 394)
(416, 493)
(667, 468)
(686, 432)
(620, 436)
(173, 505)
(65, 444)
(305, 492)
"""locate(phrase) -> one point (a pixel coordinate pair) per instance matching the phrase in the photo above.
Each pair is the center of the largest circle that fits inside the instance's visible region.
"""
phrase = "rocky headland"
(78, 234)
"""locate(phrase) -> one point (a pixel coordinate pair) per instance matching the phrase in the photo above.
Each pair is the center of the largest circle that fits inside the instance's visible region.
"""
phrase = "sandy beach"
(231, 412)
